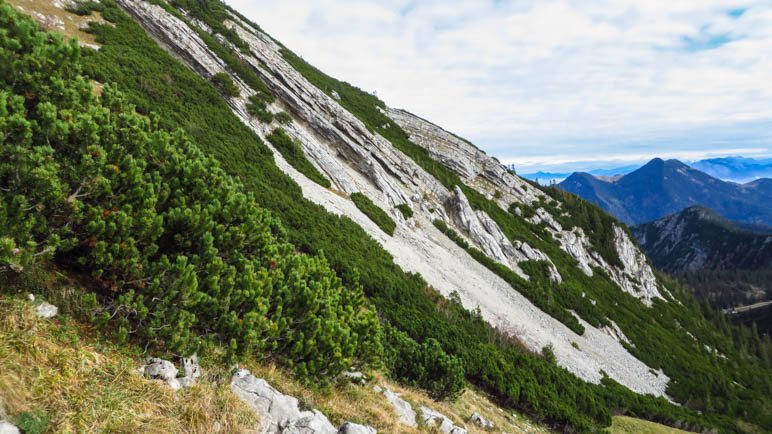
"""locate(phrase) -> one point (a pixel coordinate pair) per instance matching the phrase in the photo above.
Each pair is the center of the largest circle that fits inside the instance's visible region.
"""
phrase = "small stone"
(355, 377)
(159, 369)
(355, 428)
(46, 310)
(480, 421)
(31, 297)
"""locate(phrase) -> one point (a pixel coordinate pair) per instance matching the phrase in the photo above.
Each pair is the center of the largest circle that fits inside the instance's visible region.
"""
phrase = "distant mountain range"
(724, 263)
(660, 188)
(735, 169)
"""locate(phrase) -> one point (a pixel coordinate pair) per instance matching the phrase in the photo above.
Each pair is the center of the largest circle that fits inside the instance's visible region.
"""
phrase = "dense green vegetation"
(376, 214)
(257, 106)
(424, 365)
(405, 210)
(154, 81)
(293, 153)
(224, 82)
(182, 253)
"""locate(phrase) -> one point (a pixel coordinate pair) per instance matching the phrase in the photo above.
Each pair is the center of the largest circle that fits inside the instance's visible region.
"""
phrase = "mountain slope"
(699, 239)
(663, 187)
(522, 263)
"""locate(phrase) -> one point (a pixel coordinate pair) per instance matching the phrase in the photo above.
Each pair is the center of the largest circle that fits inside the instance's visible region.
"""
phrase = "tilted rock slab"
(279, 413)
(432, 418)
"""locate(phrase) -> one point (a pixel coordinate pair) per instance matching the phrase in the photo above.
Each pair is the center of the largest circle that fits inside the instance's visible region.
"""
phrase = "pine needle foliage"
(182, 253)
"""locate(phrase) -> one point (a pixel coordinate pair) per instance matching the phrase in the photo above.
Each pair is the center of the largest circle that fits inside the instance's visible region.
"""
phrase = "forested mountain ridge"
(663, 187)
(538, 265)
(724, 263)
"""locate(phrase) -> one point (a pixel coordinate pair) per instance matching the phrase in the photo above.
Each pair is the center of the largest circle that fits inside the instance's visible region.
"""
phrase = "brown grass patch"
(54, 18)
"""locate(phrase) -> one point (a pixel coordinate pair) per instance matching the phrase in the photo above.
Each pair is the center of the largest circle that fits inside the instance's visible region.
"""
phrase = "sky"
(553, 85)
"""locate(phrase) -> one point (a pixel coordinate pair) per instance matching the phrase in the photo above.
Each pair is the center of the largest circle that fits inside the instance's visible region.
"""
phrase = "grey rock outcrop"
(485, 233)
(477, 419)
(355, 428)
(8, 428)
(405, 413)
(279, 413)
(46, 310)
(432, 418)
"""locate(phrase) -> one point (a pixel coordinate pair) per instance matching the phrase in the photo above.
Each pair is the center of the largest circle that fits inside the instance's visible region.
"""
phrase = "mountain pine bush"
(182, 253)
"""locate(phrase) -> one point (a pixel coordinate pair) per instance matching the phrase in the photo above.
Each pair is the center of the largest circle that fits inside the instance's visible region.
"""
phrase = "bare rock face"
(279, 413)
(485, 233)
(464, 158)
(432, 418)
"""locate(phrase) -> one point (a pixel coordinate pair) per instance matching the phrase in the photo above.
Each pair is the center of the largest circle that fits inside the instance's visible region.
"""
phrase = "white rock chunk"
(46, 310)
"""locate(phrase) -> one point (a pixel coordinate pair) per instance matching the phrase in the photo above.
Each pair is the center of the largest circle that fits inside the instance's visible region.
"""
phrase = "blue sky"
(553, 84)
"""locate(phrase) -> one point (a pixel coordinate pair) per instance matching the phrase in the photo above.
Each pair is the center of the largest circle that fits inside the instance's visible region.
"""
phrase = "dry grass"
(348, 402)
(624, 424)
(86, 385)
(52, 16)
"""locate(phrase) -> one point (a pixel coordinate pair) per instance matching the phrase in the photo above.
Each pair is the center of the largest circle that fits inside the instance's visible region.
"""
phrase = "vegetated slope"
(505, 217)
(725, 264)
(660, 188)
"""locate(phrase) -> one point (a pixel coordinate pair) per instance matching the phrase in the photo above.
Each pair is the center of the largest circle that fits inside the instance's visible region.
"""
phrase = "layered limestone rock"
(464, 158)
(356, 159)
(484, 232)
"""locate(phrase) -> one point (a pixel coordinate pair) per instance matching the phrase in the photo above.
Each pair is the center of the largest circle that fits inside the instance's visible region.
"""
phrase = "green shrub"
(226, 85)
(371, 210)
(293, 153)
(257, 106)
(35, 422)
(424, 365)
(405, 210)
(183, 254)
(283, 118)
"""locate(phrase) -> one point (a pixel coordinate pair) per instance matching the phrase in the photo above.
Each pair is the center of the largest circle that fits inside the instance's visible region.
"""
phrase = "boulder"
(46, 310)
(9, 428)
(480, 421)
(355, 428)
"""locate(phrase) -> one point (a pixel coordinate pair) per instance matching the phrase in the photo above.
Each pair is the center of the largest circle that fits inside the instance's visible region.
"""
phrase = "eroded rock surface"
(432, 418)
(279, 413)
(355, 428)
(405, 413)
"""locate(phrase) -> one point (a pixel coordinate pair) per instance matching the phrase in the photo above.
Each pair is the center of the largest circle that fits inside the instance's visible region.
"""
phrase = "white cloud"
(537, 79)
